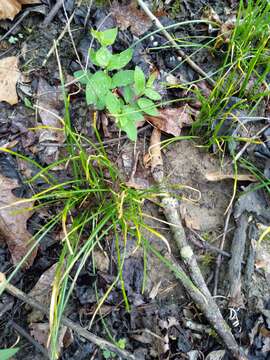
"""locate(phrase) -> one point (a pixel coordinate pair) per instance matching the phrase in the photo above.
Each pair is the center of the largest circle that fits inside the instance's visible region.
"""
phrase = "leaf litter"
(10, 8)
(182, 167)
(14, 215)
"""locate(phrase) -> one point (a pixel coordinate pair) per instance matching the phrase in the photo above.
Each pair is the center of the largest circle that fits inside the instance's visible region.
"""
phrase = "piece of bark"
(235, 264)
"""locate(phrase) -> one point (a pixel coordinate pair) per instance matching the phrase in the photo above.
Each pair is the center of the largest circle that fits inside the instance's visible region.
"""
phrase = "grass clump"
(241, 85)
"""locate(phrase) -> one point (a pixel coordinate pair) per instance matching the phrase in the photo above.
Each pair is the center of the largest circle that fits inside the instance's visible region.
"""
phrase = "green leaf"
(147, 106)
(103, 56)
(107, 354)
(139, 80)
(90, 93)
(128, 94)
(28, 103)
(151, 80)
(113, 104)
(6, 354)
(92, 56)
(152, 94)
(100, 105)
(101, 83)
(132, 113)
(123, 78)
(105, 38)
(118, 61)
(83, 76)
(122, 343)
(129, 127)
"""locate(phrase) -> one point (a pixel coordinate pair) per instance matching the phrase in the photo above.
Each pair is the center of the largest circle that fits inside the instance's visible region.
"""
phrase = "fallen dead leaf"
(155, 153)
(129, 16)
(41, 292)
(10, 8)
(13, 222)
(40, 332)
(218, 176)
(48, 108)
(9, 75)
(102, 261)
(172, 120)
(225, 28)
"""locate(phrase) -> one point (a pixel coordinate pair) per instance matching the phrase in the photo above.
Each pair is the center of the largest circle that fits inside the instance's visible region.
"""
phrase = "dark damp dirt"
(162, 323)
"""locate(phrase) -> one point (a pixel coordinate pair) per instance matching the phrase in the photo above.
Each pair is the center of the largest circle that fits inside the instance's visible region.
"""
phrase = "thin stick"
(49, 18)
(221, 247)
(51, 51)
(102, 343)
(25, 334)
(202, 244)
(190, 62)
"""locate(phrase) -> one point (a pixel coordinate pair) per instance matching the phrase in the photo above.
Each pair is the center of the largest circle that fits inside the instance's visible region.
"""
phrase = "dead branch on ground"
(201, 296)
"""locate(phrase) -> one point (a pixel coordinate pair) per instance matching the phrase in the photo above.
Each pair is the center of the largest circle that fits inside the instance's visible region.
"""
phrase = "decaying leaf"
(219, 176)
(40, 332)
(129, 16)
(10, 8)
(155, 153)
(41, 292)
(9, 75)
(225, 28)
(172, 120)
(48, 109)
(13, 222)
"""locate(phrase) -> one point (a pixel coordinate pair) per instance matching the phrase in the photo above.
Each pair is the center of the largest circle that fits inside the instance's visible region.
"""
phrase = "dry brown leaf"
(29, 2)
(129, 16)
(40, 332)
(156, 158)
(13, 222)
(10, 8)
(9, 75)
(42, 292)
(219, 176)
(48, 109)
(172, 120)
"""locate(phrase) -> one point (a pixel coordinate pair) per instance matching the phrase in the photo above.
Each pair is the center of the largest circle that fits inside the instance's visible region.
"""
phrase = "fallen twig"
(103, 344)
(203, 244)
(190, 62)
(201, 296)
(48, 19)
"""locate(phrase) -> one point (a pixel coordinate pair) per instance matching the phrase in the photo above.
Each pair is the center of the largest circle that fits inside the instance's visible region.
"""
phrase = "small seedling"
(125, 94)
(110, 354)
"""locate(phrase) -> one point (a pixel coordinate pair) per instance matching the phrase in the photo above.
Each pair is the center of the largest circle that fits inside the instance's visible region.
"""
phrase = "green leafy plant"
(121, 343)
(125, 94)
(6, 354)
